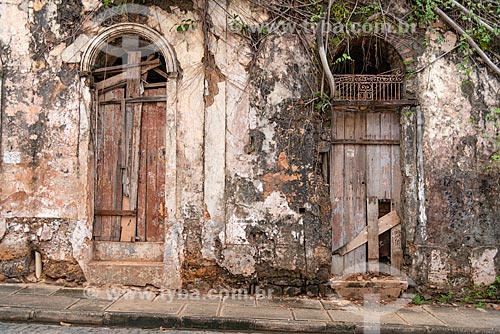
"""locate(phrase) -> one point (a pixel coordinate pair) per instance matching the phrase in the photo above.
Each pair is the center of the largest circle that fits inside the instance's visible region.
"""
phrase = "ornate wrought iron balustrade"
(369, 87)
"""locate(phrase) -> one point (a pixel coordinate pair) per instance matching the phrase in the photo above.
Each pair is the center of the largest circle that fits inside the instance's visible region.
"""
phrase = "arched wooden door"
(129, 142)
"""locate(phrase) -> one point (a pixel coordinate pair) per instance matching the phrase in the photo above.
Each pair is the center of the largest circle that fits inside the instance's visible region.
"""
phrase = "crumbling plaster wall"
(266, 211)
(457, 235)
(47, 182)
(250, 205)
(39, 167)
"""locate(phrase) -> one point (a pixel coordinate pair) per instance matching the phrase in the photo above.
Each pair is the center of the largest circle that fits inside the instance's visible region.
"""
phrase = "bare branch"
(469, 14)
(469, 40)
(322, 53)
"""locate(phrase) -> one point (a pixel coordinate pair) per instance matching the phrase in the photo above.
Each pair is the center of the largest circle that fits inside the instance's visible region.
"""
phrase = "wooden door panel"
(109, 173)
(359, 179)
(130, 149)
(364, 170)
(354, 189)
(337, 181)
(151, 188)
(396, 163)
(122, 184)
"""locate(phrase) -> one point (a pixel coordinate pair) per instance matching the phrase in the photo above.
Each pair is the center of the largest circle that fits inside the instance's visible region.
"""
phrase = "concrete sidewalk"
(146, 309)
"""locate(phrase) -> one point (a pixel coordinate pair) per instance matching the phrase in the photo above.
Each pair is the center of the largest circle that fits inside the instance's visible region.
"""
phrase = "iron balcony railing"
(369, 87)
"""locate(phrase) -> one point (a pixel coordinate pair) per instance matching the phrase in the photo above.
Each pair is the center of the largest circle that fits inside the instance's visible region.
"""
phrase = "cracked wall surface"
(457, 236)
(251, 205)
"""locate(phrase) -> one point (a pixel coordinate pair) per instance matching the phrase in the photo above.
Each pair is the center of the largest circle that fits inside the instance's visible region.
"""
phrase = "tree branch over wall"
(469, 40)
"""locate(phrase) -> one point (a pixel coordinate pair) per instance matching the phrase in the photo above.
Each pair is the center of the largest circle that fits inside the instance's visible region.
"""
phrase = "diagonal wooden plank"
(122, 77)
(126, 66)
(385, 223)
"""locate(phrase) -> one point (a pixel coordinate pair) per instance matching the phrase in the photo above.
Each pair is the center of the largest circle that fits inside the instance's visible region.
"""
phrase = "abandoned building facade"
(168, 144)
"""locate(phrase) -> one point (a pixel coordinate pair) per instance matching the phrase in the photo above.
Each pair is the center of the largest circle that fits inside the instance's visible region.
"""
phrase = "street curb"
(68, 316)
(155, 320)
(15, 314)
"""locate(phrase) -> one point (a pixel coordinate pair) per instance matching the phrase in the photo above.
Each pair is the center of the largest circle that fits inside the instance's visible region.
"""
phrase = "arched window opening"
(115, 55)
(368, 69)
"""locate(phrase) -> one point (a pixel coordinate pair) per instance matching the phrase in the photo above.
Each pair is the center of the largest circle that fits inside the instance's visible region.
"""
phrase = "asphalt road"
(21, 328)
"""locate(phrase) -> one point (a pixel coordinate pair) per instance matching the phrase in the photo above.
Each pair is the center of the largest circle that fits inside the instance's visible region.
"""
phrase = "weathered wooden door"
(130, 152)
(365, 180)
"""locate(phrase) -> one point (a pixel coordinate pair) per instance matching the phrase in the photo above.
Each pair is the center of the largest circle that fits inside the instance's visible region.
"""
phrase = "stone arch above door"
(402, 46)
(99, 42)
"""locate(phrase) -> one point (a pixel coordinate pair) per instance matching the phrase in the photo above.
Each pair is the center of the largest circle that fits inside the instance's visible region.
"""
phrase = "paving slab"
(36, 301)
(91, 292)
(453, 317)
(296, 303)
(418, 316)
(310, 314)
(145, 306)
(38, 290)
(10, 288)
(360, 316)
(90, 305)
(243, 300)
(139, 295)
(335, 304)
(492, 317)
(202, 310)
(74, 293)
(256, 312)
(180, 298)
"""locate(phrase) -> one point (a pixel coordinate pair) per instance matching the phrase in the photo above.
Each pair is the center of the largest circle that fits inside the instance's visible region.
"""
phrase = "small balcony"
(370, 89)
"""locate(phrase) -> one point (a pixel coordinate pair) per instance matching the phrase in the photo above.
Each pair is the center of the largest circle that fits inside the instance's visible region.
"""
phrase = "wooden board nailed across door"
(130, 124)
(365, 185)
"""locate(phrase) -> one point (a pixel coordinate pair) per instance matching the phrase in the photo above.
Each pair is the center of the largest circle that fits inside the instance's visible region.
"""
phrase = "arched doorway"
(132, 75)
(129, 75)
(365, 177)
(131, 71)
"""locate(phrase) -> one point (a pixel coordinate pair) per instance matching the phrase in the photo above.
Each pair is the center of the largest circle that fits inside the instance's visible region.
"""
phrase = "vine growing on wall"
(476, 22)
(478, 25)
